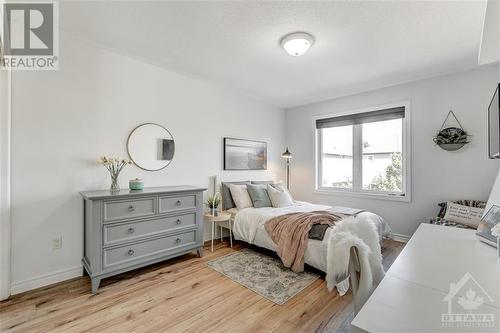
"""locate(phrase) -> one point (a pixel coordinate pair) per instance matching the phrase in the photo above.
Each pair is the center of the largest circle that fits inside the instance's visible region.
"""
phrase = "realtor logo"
(29, 36)
(467, 310)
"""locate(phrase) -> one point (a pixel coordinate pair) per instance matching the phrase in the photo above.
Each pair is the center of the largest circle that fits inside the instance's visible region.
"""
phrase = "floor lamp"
(287, 156)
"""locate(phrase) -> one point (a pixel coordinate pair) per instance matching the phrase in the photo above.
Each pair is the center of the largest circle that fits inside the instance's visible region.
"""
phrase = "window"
(337, 155)
(364, 152)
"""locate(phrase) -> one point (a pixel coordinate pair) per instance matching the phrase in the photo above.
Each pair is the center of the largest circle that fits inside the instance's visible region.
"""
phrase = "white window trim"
(367, 194)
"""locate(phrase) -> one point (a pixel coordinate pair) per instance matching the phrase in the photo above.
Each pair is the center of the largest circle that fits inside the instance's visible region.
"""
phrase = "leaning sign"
(29, 36)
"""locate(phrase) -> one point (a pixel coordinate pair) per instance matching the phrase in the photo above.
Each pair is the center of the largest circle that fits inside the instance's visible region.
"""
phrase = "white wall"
(437, 175)
(5, 145)
(64, 120)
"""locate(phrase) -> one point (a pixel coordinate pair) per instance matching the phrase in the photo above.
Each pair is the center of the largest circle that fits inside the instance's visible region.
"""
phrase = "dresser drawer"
(128, 231)
(117, 210)
(151, 248)
(168, 204)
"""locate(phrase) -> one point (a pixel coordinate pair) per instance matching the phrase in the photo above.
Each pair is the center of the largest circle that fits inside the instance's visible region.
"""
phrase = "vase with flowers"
(114, 165)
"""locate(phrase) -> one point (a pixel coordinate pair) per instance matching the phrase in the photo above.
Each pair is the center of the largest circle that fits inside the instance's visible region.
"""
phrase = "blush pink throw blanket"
(291, 232)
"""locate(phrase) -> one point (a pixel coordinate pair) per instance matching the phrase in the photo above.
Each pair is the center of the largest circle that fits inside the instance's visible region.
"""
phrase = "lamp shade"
(287, 154)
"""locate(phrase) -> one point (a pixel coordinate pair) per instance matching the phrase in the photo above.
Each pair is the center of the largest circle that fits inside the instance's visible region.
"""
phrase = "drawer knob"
(178, 202)
(131, 208)
(131, 230)
(178, 240)
(178, 221)
(130, 252)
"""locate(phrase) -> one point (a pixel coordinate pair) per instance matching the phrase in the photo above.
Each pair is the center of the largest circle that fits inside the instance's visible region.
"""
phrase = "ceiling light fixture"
(297, 43)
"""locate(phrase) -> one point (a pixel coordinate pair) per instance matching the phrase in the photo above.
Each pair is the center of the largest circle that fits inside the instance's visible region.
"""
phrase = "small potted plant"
(114, 165)
(451, 138)
(213, 203)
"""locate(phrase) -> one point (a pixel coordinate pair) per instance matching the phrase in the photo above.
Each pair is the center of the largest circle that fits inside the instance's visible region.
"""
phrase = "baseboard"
(46, 279)
(401, 238)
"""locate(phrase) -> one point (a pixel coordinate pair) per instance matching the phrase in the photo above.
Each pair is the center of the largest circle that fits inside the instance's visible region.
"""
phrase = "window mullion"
(357, 147)
(319, 152)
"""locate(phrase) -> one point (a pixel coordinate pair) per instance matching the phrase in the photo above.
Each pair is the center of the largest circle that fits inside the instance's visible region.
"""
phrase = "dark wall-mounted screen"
(494, 125)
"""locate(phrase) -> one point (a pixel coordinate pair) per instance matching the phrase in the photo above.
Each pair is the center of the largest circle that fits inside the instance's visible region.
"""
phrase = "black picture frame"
(244, 154)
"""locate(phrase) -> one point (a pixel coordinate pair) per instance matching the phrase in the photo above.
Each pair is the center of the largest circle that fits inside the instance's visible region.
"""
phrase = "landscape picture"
(240, 154)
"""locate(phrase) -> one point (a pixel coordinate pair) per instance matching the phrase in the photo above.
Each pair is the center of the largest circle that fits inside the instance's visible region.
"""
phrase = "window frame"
(357, 186)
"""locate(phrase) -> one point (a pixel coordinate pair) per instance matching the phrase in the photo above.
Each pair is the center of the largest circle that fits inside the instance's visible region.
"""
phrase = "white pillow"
(280, 196)
(469, 216)
(240, 196)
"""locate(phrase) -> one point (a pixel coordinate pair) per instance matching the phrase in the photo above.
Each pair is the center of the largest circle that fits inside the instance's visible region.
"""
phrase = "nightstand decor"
(213, 203)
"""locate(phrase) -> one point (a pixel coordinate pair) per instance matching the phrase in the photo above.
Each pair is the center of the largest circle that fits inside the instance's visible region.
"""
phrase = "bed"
(249, 227)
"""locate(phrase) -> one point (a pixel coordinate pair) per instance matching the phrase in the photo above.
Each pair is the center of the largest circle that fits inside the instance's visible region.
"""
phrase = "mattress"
(249, 227)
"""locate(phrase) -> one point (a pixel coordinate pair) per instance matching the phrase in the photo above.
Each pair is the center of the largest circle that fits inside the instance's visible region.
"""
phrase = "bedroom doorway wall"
(5, 203)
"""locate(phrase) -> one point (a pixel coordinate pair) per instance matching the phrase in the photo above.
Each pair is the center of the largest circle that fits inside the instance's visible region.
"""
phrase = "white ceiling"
(359, 45)
(490, 42)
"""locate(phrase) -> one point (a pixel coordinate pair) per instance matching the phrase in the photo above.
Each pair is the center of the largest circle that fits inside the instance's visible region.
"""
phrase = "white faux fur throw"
(362, 235)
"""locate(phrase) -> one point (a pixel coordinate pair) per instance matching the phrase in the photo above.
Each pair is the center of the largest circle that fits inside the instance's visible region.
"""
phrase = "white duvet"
(249, 227)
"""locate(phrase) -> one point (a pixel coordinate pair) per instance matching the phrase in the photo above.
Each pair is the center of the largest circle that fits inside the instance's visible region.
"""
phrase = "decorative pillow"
(227, 199)
(440, 221)
(470, 203)
(240, 196)
(259, 196)
(280, 197)
(467, 215)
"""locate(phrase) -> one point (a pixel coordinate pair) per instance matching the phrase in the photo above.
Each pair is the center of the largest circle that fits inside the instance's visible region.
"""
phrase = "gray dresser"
(132, 229)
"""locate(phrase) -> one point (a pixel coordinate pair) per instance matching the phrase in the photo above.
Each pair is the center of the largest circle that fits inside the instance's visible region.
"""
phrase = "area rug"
(263, 274)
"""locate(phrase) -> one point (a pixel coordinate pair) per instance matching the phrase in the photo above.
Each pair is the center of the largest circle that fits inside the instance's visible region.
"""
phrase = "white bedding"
(249, 227)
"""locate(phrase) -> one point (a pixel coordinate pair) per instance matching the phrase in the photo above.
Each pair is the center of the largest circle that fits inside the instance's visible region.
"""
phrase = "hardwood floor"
(179, 295)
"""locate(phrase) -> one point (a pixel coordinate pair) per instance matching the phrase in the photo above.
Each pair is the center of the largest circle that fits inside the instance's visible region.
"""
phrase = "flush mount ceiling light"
(297, 43)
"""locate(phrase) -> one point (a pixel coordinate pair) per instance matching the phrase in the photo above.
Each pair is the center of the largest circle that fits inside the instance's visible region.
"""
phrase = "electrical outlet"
(57, 243)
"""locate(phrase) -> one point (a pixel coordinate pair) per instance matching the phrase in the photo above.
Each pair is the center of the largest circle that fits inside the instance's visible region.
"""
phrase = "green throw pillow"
(259, 196)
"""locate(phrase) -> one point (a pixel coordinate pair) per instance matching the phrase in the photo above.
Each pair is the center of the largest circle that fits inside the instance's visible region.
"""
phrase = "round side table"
(224, 221)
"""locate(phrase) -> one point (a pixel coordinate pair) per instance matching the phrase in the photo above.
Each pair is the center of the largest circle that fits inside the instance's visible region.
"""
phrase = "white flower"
(495, 231)
(102, 160)
(114, 164)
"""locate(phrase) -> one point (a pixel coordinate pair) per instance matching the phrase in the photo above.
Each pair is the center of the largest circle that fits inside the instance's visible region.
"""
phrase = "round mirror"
(151, 146)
